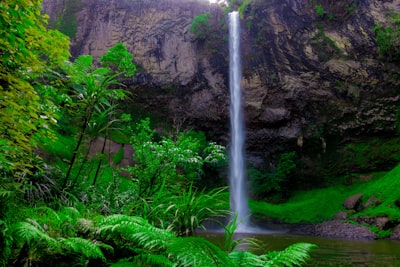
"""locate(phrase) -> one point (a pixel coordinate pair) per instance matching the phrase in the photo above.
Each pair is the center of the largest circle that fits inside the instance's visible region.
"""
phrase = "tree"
(93, 93)
(27, 50)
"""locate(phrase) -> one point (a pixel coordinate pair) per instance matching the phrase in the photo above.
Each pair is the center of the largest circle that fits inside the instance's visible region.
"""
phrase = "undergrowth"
(318, 205)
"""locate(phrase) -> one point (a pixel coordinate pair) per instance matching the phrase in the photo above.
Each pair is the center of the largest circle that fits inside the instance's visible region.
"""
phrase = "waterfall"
(238, 189)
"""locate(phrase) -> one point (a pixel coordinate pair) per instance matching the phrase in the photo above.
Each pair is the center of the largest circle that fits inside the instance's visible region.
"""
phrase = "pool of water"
(330, 251)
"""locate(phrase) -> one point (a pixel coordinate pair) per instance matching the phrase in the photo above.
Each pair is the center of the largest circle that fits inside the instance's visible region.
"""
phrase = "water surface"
(330, 251)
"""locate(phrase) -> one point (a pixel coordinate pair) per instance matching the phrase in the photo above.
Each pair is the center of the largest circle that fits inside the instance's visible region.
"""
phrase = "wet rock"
(338, 228)
(341, 215)
(396, 233)
(369, 202)
(353, 202)
(335, 229)
(382, 222)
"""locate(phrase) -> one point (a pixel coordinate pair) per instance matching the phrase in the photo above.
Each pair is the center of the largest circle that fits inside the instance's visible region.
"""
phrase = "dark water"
(330, 251)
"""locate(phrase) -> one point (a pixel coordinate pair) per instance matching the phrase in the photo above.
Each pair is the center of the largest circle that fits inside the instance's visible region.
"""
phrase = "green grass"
(322, 204)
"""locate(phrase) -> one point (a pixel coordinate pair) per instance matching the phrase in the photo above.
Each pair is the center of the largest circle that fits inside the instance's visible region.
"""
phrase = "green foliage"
(388, 38)
(186, 212)
(195, 251)
(334, 10)
(231, 242)
(371, 155)
(94, 95)
(275, 181)
(119, 60)
(317, 205)
(243, 7)
(66, 19)
(320, 11)
(294, 255)
(200, 26)
(168, 165)
(27, 50)
(5, 243)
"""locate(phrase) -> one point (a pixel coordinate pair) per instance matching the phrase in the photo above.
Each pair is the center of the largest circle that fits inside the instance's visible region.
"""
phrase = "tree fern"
(294, 255)
(195, 251)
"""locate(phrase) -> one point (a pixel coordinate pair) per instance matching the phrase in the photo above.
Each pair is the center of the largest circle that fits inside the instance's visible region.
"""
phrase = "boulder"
(339, 229)
(353, 202)
(396, 233)
(382, 222)
(369, 202)
(341, 215)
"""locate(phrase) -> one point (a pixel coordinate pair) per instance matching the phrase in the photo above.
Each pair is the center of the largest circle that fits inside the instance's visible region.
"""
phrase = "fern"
(153, 260)
(195, 251)
(32, 243)
(32, 234)
(85, 248)
(294, 255)
(246, 259)
(5, 243)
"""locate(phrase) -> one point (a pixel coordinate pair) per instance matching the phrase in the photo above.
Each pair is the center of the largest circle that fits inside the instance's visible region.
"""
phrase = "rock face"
(312, 81)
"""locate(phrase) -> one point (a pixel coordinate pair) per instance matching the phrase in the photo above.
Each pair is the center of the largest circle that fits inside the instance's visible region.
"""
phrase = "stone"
(369, 202)
(396, 233)
(341, 215)
(352, 202)
(339, 229)
(381, 222)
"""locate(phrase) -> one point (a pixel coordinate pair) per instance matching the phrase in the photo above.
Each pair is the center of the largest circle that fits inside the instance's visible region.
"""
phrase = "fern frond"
(127, 262)
(195, 251)
(83, 247)
(153, 240)
(5, 243)
(135, 229)
(153, 260)
(31, 234)
(245, 259)
(294, 255)
(5, 193)
(85, 226)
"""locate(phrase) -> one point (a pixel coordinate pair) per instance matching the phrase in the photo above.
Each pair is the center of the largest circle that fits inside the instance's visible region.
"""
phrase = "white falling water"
(238, 190)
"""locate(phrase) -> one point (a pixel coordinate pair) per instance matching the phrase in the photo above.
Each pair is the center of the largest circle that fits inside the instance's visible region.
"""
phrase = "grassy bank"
(322, 204)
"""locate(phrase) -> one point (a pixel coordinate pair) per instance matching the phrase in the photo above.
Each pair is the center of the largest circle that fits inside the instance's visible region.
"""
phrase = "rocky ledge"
(334, 229)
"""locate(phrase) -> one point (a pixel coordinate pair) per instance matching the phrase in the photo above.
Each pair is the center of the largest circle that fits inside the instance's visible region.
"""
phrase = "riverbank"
(368, 208)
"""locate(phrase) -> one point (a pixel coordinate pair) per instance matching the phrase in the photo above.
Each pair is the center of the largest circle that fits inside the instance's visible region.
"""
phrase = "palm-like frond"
(32, 243)
(246, 259)
(153, 260)
(84, 248)
(5, 243)
(294, 255)
(195, 251)
(32, 234)
(134, 229)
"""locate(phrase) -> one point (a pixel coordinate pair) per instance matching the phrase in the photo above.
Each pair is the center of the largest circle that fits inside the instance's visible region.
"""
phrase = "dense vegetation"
(62, 202)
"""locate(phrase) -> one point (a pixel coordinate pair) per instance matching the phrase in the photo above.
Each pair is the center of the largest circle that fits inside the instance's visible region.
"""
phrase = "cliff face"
(312, 80)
